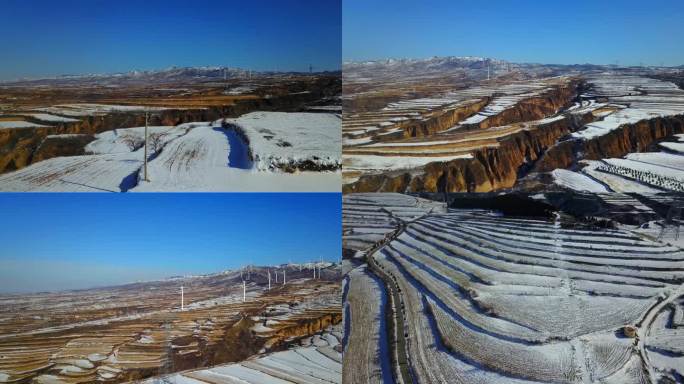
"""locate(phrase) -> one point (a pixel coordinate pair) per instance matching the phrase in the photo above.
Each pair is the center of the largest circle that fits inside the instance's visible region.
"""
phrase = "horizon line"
(162, 279)
(347, 60)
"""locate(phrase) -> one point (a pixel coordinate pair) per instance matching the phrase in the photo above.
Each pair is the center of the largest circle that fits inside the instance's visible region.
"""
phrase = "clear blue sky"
(565, 32)
(65, 241)
(48, 37)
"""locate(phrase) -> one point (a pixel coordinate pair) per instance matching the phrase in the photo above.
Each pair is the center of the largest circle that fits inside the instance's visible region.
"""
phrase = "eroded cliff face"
(18, 146)
(537, 150)
(617, 143)
(632, 138)
(443, 121)
(238, 343)
(489, 169)
(536, 108)
(62, 145)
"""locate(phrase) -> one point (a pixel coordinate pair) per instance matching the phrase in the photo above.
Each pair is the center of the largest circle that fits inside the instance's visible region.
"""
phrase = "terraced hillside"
(472, 296)
(134, 331)
(491, 134)
(316, 360)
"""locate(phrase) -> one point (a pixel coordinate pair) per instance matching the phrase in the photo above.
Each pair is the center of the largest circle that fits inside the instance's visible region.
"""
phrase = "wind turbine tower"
(269, 279)
(244, 291)
(182, 300)
(147, 114)
(284, 279)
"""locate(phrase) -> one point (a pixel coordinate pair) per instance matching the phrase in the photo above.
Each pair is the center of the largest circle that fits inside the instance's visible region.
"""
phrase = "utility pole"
(284, 280)
(146, 122)
(182, 300)
(244, 291)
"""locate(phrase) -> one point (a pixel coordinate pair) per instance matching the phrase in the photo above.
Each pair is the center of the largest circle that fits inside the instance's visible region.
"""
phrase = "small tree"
(156, 141)
(132, 142)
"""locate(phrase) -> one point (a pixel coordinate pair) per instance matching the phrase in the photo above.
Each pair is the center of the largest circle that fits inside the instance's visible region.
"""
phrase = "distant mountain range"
(168, 75)
(467, 66)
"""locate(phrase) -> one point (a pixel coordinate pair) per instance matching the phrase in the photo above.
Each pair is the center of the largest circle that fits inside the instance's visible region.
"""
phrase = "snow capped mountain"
(171, 74)
(432, 63)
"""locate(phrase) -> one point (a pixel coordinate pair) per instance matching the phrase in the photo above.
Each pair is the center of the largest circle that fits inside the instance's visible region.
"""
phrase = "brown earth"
(536, 150)
(18, 145)
(628, 138)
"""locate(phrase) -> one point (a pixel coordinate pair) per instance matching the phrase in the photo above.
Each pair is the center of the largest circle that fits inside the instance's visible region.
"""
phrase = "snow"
(477, 288)
(66, 135)
(114, 141)
(615, 182)
(390, 163)
(198, 161)
(20, 124)
(308, 364)
(195, 157)
(677, 147)
(90, 109)
(89, 173)
(659, 158)
(281, 138)
(577, 181)
(260, 328)
(661, 99)
(656, 169)
(50, 118)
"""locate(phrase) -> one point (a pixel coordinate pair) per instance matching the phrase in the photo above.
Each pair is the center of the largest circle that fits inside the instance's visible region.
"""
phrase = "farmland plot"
(490, 298)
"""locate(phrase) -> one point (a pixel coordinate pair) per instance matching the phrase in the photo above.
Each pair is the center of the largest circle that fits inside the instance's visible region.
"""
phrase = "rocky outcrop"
(62, 145)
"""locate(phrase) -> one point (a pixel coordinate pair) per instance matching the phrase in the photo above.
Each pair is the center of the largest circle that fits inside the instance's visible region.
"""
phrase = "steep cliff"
(617, 143)
(538, 107)
(62, 145)
(536, 150)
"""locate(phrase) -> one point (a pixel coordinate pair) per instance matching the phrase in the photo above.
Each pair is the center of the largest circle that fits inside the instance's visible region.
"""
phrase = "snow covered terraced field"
(130, 332)
(270, 151)
(477, 297)
(630, 100)
(317, 360)
(461, 122)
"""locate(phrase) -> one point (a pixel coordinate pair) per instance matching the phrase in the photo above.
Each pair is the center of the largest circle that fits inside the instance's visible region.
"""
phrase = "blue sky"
(47, 37)
(66, 241)
(564, 32)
